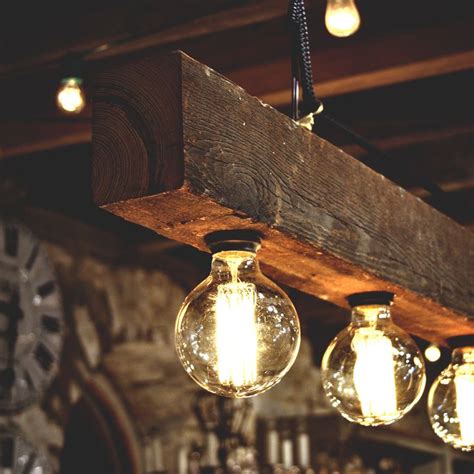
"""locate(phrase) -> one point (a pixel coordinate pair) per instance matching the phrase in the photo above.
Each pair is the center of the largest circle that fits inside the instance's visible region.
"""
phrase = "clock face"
(31, 324)
(19, 455)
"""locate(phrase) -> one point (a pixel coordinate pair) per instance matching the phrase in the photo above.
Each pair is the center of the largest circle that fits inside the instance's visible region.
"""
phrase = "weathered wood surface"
(182, 150)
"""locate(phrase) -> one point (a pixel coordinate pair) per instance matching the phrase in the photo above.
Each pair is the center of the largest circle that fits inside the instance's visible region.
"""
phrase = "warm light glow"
(373, 373)
(450, 400)
(374, 377)
(342, 17)
(236, 332)
(71, 97)
(464, 382)
(432, 353)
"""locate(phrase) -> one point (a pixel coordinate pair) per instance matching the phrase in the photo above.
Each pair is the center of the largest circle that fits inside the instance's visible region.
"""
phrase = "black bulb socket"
(383, 298)
(246, 240)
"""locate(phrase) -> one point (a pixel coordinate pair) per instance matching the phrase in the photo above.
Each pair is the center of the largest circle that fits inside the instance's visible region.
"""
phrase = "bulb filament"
(374, 376)
(236, 332)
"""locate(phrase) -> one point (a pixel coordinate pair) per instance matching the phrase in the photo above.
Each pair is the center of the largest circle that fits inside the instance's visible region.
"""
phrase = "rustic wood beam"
(182, 150)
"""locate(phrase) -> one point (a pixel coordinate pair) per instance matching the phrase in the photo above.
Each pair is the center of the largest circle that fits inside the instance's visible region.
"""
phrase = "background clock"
(31, 324)
(17, 454)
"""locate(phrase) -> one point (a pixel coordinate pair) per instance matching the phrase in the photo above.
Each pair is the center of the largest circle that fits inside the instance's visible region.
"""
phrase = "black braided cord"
(302, 72)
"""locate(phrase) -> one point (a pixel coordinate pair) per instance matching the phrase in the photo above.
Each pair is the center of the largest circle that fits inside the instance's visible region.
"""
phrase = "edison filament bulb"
(373, 372)
(71, 97)
(451, 400)
(342, 17)
(237, 333)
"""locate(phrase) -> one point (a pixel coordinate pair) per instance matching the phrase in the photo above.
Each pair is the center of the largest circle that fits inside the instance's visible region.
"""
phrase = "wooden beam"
(182, 150)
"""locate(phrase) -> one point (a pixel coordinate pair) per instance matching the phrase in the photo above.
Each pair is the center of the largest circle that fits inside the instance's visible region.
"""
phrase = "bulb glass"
(373, 372)
(451, 401)
(342, 17)
(70, 97)
(237, 333)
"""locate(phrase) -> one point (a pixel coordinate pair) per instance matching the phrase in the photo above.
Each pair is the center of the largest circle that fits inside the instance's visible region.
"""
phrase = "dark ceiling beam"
(200, 155)
(369, 63)
(127, 28)
(445, 156)
(22, 137)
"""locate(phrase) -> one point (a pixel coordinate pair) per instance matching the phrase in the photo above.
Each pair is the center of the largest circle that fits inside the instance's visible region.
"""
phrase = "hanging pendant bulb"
(237, 333)
(70, 97)
(342, 17)
(372, 371)
(451, 398)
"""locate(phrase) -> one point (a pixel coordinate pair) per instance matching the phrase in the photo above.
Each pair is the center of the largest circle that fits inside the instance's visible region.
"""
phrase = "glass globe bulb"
(237, 333)
(451, 401)
(71, 97)
(373, 372)
(342, 17)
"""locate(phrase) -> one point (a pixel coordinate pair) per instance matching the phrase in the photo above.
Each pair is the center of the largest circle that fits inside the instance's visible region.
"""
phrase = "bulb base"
(246, 240)
(366, 298)
(457, 342)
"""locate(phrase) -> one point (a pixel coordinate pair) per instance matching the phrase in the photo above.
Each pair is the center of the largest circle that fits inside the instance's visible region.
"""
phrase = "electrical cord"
(311, 106)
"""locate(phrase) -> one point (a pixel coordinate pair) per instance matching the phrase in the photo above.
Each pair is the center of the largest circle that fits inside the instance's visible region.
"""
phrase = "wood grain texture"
(332, 226)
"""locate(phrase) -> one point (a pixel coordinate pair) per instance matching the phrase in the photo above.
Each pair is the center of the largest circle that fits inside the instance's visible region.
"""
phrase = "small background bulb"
(373, 372)
(237, 333)
(342, 17)
(432, 353)
(70, 96)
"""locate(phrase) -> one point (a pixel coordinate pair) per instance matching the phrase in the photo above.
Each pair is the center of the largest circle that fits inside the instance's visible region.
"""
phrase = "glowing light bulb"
(70, 97)
(373, 372)
(432, 353)
(342, 17)
(236, 328)
(237, 333)
(374, 377)
(450, 401)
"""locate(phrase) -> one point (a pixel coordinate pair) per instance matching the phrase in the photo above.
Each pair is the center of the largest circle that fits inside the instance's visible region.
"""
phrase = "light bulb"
(373, 372)
(432, 353)
(342, 17)
(71, 97)
(237, 333)
(451, 401)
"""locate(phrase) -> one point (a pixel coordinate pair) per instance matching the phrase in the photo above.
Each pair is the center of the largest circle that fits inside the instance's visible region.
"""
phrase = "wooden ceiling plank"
(368, 63)
(124, 30)
(182, 150)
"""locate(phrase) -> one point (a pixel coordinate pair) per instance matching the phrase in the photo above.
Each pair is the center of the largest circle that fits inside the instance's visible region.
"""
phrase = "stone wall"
(119, 340)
